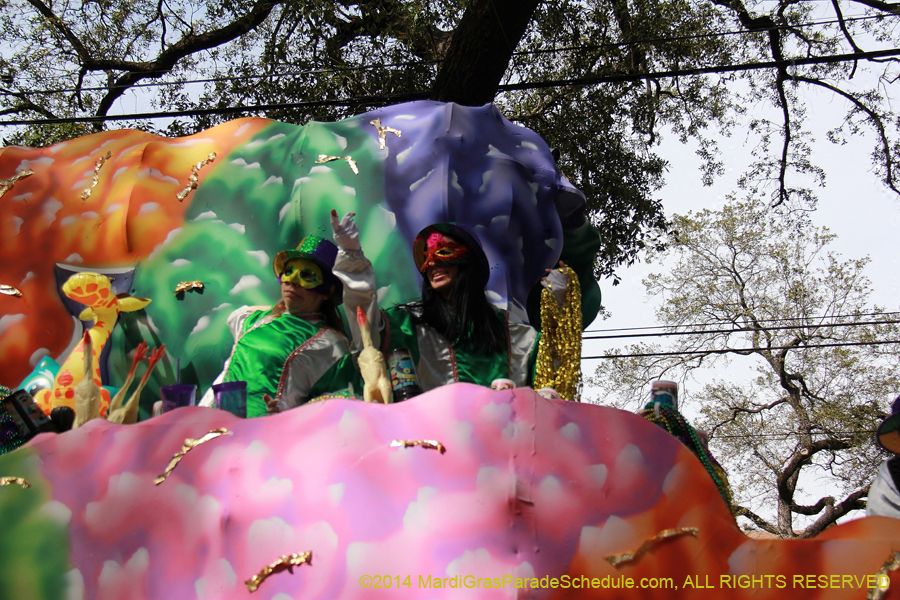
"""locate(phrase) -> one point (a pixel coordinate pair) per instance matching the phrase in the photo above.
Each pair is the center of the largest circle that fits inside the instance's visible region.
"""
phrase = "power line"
(702, 35)
(231, 78)
(742, 330)
(779, 320)
(633, 77)
(320, 71)
(740, 350)
(382, 100)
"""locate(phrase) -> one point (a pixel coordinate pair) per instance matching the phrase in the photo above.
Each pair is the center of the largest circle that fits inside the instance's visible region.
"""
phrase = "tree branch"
(847, 36)
(187, 45)
(801, 458)
(742, 511)
(834, 512)
(873, 118)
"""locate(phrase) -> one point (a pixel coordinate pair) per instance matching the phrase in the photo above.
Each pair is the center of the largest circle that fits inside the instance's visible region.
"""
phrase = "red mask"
(439, 249)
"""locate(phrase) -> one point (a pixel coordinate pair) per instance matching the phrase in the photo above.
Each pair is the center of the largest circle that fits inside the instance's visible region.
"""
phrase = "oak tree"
(804, 366)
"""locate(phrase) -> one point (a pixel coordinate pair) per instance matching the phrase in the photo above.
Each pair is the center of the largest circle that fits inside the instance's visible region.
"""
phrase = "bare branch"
(834, 512)
(743, 511)
(847, 36)
(874, 118)
(187, 45)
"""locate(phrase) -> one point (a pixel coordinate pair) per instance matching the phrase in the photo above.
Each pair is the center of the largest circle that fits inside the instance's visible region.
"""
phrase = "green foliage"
(34, 541)
(804, 392)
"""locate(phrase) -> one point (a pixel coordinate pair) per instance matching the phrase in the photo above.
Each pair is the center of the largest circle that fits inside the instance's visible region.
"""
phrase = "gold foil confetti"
(186, 286)
(189, 444)
(193, 182)
(9, 290)
(665, 534)
(882, 581)
(430, 444)
(286, 563)
(17, 480)
(6, 184)
(325, 158)
(383, 131)
(97, 166)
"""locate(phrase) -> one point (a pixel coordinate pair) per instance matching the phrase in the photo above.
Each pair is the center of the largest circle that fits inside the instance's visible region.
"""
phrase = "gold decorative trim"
(97, 166)
(17, 480)
(189, 444)
(194, 181)
(429, 444)
(7, 184)
(383, 131)
(665, 534)
(286, 563)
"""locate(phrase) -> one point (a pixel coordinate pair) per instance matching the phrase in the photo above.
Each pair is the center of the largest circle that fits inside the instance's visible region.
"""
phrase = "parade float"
(461, 492)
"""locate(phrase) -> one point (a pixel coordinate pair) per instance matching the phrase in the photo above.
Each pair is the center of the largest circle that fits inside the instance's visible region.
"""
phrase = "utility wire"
(383, 100)
(696, 36)
(742, 330)
(633, 77)
(779, 320)
(740, 350)
(423, 63)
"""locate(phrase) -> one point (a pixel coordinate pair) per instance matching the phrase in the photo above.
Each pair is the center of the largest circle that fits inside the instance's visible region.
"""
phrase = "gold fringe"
(17, 480)
(383, 131)
(665, 534)
(194, 180)
(97, 166)
(187, 286)
(286, 563)
(189, 444)
(891, 564)
(430, 444)
(559, 350)
(7, 184)
(324, 158)
(9, 290)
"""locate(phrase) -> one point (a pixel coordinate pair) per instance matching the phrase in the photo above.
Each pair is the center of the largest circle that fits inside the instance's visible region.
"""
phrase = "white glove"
(346, 233)
(556, 281)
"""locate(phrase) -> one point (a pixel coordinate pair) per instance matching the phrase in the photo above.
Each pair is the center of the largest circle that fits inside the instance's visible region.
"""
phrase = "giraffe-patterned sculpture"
(103, 307)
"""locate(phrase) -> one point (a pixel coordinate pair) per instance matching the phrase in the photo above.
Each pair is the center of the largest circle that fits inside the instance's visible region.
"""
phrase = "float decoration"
(7, 184)
(452, 163)
(96, 179)
(324, 158)
(103, 307)
(15, 480)
(534, 488)
(891, 564)
(285, 563)
(648, 544)
(383, 131)
(188, 286)
(194, 180)
(189, 444)
(9, 290)
(428, 444)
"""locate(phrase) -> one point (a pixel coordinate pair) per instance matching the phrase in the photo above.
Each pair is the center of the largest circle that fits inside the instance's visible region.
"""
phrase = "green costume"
(281, 356)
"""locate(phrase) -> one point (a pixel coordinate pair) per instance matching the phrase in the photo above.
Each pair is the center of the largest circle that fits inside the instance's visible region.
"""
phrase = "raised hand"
(271, 404)
(346, 233)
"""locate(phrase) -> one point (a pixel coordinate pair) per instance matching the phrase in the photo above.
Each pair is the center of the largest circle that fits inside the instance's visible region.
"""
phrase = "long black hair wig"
(465, 316)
